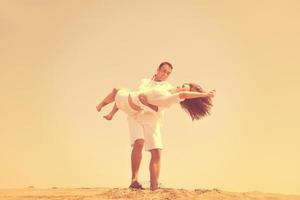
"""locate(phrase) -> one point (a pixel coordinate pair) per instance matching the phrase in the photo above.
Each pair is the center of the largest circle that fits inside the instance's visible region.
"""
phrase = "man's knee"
(155, 154)
(138, 144)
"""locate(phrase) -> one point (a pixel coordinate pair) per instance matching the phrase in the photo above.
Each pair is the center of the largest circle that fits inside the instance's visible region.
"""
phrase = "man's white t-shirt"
(146, 86)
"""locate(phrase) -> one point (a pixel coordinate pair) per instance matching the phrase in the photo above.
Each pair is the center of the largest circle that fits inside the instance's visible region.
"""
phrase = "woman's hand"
(212, 93)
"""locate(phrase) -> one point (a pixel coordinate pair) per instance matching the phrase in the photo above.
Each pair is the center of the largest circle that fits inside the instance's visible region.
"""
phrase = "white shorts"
(149, 132)
(121, 100)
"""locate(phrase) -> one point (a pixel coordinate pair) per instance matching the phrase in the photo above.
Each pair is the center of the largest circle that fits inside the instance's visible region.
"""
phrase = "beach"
(101, 193)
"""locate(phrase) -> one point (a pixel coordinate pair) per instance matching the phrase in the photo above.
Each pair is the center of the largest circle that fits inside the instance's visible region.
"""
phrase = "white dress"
(155, 96)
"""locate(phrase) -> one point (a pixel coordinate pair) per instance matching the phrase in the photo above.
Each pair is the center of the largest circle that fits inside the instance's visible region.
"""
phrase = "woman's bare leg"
(108, 99)
(110, 115)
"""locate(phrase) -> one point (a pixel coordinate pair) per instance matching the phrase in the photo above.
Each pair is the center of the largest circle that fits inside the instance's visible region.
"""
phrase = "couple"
(145, 110)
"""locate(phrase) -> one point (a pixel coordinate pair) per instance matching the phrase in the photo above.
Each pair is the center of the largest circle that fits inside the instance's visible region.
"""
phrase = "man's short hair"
(165, 63)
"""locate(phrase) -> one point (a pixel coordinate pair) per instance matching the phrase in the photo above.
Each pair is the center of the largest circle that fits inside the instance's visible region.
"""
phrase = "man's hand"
(144, 100)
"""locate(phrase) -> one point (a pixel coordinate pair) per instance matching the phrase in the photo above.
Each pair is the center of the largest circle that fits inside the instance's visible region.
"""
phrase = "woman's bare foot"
(108, 117)
(99, 107)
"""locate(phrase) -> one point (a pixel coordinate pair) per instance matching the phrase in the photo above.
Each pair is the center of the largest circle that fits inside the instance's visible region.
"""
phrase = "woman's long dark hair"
(197, 107)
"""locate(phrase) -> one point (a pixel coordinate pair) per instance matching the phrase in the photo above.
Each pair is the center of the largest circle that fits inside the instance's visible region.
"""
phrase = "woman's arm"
(192, 95)
(167, 100)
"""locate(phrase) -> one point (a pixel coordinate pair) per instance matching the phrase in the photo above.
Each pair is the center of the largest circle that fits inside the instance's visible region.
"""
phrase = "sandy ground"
(54, 193)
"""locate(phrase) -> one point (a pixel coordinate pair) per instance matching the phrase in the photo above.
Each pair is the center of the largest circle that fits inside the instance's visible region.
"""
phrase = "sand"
(32, 193)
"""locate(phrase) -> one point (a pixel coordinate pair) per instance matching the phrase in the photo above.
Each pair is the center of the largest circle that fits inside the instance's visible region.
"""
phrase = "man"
(145, 130)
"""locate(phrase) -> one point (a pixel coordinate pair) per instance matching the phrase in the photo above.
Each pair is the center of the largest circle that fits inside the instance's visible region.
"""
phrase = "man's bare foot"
(108, 117)
(154, 187)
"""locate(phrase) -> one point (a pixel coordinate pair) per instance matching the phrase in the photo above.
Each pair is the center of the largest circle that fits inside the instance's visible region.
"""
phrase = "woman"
(191, 97)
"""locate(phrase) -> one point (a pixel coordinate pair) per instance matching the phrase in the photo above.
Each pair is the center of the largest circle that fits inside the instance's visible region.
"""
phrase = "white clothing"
(156, 96)
(162, 98)
(147, 125)
(149, 132)
(121, 101)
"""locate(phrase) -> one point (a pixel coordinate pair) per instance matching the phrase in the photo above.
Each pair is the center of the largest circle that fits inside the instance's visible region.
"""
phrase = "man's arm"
(143, 99)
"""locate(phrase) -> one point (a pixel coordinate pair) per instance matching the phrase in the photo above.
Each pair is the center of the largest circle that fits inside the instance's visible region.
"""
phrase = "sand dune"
(54, 193)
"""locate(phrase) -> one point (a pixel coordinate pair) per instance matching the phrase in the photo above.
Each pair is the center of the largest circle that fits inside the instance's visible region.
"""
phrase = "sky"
(58, 59)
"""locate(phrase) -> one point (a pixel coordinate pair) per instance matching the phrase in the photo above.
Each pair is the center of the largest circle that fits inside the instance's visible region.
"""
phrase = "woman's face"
(184, 87)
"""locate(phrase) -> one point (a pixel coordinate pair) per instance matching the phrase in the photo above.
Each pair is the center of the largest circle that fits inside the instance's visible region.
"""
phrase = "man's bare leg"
(136, 157)
(110, 115)
(154, 168)
(108, 99)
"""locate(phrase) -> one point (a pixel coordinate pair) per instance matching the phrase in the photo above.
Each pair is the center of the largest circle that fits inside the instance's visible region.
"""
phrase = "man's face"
(163, 73)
